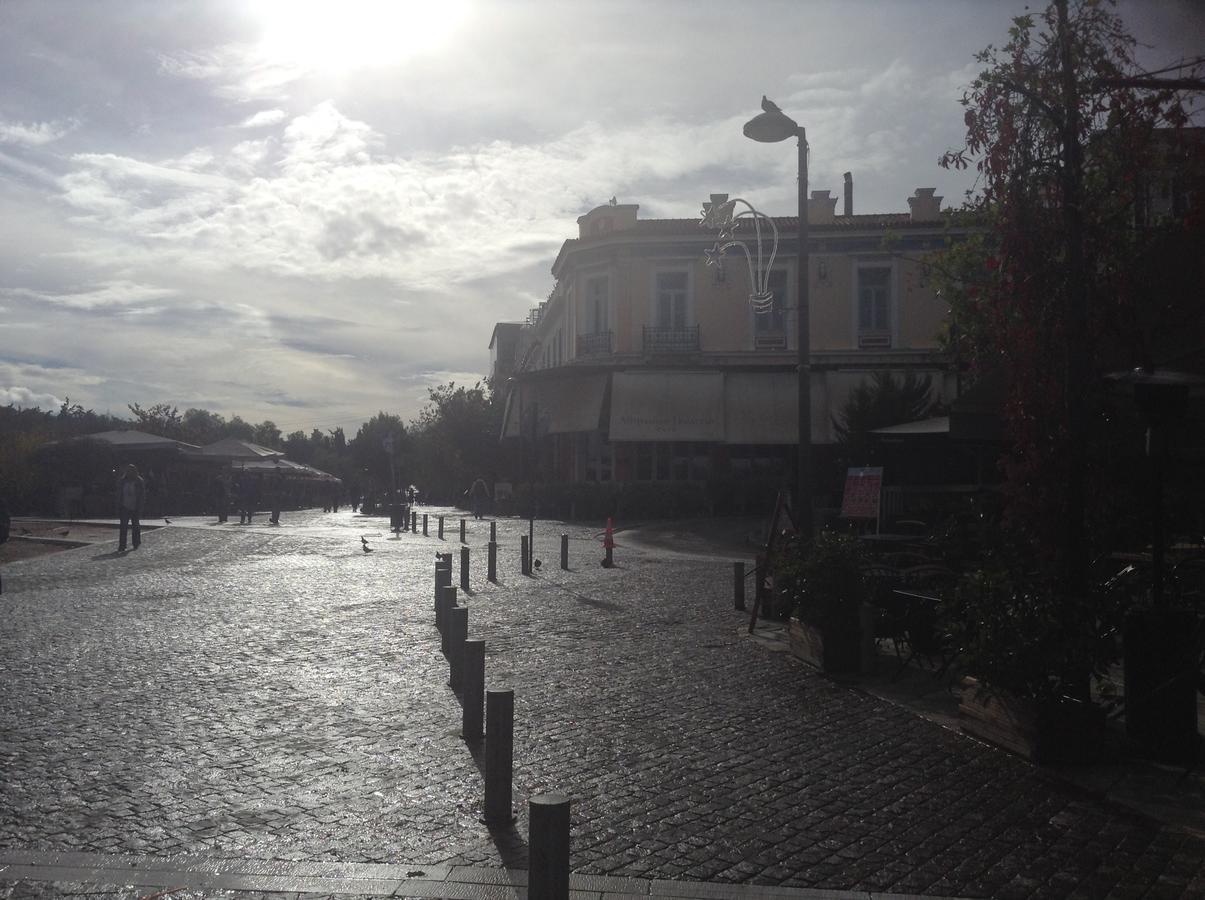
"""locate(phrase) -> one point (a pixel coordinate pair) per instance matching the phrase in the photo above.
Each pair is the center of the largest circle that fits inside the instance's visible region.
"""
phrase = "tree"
(455, 438)
(162, 419)
(370, 456)
(878, 403)
(202, 427)
(1063, 129)
(266, 434)
(237, 428)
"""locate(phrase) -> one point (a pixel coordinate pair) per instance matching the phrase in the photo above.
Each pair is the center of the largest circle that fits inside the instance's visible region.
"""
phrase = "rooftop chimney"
(925, 207)
(849, 193)
(821, 208)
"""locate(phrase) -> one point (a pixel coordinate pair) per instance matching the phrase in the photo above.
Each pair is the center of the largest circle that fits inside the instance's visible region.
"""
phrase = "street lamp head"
(772, 125)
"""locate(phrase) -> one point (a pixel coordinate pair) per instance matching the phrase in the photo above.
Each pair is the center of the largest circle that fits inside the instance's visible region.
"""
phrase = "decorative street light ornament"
(720, 213)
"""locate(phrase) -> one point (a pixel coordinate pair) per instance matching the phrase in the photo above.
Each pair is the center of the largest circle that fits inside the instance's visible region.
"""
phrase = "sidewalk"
(263, 699)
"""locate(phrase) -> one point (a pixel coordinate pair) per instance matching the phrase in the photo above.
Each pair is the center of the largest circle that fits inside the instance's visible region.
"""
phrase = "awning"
(922, 427)
(568, 404)
(761, 408)
(667, 406)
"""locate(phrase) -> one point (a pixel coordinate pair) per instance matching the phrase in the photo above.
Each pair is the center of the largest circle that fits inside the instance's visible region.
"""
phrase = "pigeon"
(769, 105)
(536, 564)
(167, 520)
(364, 542)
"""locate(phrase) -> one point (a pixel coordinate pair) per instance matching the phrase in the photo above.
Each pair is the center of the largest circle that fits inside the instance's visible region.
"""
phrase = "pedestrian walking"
(131, 497)
(221, 496)
(247, 496)
(276, 489)
(5, 523)
(478, 494)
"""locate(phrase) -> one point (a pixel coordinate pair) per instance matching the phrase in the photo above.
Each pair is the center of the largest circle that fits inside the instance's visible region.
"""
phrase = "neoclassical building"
(648, 364)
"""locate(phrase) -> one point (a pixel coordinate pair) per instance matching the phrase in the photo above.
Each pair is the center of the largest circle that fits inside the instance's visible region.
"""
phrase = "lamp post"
(769, 127)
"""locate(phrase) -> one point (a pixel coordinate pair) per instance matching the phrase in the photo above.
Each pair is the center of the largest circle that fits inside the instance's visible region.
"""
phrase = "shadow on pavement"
(114, 554)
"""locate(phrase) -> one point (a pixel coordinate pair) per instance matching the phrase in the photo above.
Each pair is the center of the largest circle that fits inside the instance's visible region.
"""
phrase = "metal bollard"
(464, 568)
(425, 525)
(462, 540)
(564, 551)
(493, 532)
(738, 584)
(413, 521)
(443, 576)
(458, 630)
(449, 606)
(441, 610)
(548, 871)
(441, 528)
(499, 755)
(524, 555)
(492, 562)
(472, 699)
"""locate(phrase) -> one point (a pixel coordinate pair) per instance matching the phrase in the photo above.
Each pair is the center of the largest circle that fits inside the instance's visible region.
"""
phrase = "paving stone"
(256, 695)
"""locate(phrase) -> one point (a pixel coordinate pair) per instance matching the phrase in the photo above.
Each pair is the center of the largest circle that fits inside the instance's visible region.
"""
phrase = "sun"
(340, 35)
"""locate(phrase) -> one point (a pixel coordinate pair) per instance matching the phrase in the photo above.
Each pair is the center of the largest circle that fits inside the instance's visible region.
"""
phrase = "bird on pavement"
(769, 105)
(167, 520)
(364, 542)
(536, 564)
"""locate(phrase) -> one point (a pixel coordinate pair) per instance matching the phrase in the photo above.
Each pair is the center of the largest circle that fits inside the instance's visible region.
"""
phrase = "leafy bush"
(822, 584)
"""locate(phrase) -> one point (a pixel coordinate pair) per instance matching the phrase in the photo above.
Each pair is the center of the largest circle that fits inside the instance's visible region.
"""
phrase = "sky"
(312, 210)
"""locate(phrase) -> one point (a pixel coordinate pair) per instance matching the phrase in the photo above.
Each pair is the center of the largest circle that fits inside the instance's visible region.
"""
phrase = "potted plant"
(823, 587)
(1029, 653)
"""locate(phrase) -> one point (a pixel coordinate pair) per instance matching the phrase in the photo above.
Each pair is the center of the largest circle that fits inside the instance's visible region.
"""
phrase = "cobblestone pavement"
(278, 694)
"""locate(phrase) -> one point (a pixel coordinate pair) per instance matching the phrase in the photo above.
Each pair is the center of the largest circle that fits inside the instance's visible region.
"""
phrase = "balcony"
(671, 340)
(770, 340)
(597, 344)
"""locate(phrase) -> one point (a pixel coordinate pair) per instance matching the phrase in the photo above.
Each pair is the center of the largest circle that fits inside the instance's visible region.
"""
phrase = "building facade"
(648, 364)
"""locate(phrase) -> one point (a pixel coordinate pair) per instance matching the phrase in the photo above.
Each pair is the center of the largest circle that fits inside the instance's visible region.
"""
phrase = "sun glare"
(340, 35)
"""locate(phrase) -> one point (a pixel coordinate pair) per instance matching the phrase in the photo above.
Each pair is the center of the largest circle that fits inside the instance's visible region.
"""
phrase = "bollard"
(443, 576)
(738, 584)
(493, 532)
(425, 525)
(564, 551)
(472, 697)
(441, 528)
(449, 606)
(492, 562)
(441, 610)
(499, 755)
(458, 630)
(524, 555)
(462, 540)
(464, 568)
(413, 521)
(548, 840)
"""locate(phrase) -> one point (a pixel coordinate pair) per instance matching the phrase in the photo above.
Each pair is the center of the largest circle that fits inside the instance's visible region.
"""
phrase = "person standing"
(131, 495)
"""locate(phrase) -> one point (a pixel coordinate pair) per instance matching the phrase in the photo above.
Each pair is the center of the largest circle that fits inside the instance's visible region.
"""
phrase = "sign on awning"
(667, 406)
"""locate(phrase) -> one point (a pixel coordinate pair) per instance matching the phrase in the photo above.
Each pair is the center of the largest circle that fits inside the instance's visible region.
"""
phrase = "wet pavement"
(260, 694)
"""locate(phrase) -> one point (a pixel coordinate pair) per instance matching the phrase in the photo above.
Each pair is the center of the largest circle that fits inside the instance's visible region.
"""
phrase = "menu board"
(863, 488)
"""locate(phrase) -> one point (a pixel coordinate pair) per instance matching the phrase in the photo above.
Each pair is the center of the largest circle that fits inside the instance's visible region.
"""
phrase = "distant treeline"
(453, 440)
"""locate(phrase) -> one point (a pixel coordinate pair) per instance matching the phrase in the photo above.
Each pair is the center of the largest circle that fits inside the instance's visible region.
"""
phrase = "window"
(874, 307)
(774, 321)
(874, 299)
(670, 308)
(598, 318)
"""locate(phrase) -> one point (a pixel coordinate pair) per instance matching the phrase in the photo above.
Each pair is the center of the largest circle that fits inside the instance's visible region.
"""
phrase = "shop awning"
(667, 406)
(571, 403)
(761, 408)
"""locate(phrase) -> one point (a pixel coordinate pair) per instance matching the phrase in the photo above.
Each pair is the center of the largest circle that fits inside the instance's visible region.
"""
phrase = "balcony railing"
(770, 340)
(597, 344)
(671, 340)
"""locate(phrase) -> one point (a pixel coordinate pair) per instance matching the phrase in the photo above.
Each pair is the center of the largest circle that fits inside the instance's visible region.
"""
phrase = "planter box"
(833, 650)
(1161, 665)
(1061, 730)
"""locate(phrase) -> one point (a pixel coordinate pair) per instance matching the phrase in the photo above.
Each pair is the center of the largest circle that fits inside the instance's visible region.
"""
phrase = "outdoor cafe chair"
(923, 587)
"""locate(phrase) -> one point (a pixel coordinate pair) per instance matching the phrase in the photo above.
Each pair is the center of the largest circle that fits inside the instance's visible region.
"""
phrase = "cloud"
(239, 72)
(110, 296)
(36, 133)
(24, 397)
(264, 117)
